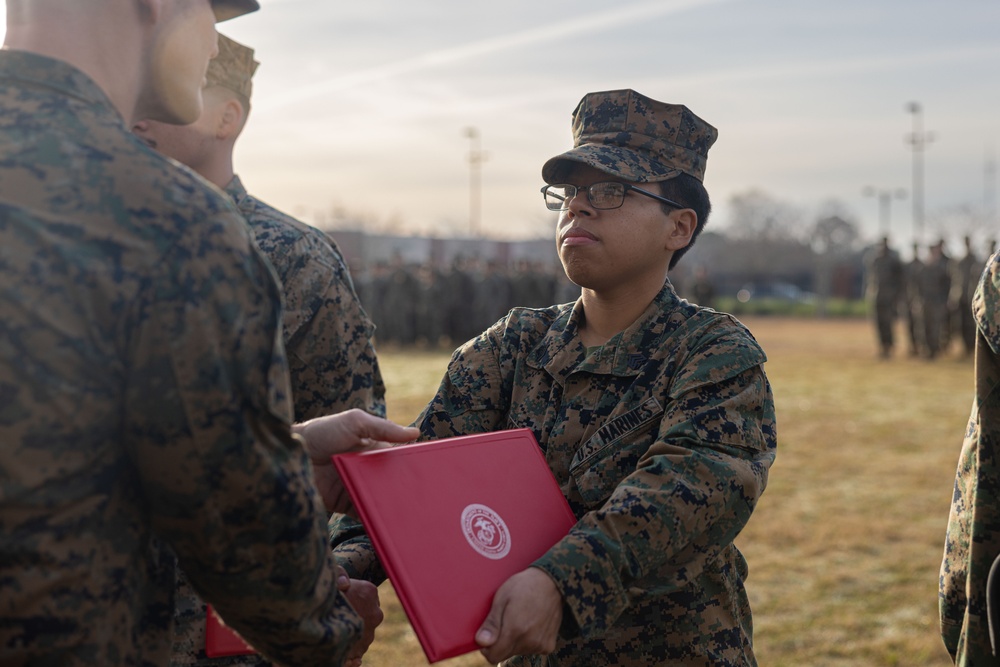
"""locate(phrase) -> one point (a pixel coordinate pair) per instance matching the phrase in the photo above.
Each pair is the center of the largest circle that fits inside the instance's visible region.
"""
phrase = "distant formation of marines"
(931, 293)
(428, 305)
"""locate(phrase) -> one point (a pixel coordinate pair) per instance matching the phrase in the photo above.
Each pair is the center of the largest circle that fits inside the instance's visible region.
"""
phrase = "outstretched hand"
(353, 430)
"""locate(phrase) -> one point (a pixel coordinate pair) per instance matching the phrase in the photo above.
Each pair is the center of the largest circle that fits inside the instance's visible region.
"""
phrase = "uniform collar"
(235, 189)
(561, 352)
(38, 71)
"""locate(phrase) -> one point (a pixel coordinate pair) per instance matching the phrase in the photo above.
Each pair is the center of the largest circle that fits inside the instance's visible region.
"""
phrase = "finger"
(355, 654)
(368, 444)
(387, 431)
(343, 580)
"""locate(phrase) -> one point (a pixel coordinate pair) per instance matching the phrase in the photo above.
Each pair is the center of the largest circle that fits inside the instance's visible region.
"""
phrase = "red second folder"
(451, 520)
(220, 641)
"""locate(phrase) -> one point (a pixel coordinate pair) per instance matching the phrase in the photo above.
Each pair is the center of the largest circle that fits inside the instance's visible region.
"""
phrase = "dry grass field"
(845, 544)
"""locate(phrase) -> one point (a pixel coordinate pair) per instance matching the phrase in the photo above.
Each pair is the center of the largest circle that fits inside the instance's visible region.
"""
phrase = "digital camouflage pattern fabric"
(144, 401)
(636, 138)
(332, 360)
(328, 334)
(973, 539)
(661, 441)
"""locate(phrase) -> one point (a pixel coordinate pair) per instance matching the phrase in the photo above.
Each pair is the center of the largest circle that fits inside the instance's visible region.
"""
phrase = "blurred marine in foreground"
(968, 592)
(327, 333)
(144, 388)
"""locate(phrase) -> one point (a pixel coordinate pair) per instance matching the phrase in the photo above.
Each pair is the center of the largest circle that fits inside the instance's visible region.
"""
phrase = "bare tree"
(834, 235)
(757, 215)
(769, 235)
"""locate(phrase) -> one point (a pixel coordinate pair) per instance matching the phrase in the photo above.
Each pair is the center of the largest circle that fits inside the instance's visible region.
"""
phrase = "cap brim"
(625, 163)
(230, 9)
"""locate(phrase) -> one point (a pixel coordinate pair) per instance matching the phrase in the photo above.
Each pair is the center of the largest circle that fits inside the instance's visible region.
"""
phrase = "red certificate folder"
(451, 520)
(220, 641)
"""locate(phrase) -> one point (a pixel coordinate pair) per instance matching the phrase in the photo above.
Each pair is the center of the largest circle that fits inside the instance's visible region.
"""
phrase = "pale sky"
(363, 106)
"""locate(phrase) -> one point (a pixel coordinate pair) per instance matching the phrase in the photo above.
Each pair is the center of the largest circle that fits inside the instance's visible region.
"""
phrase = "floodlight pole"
(476, 159)
(918, 140)
(885, 198)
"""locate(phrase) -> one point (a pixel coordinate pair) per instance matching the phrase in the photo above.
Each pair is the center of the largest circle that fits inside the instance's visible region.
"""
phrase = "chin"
(173, 104)
(578, 275)
(177, 114)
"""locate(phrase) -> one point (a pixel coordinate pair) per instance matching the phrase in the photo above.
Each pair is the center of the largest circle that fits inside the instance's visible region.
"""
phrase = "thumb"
(488, 632)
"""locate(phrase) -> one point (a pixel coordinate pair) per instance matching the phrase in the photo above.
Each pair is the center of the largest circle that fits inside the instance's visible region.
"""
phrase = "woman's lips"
(578, 236)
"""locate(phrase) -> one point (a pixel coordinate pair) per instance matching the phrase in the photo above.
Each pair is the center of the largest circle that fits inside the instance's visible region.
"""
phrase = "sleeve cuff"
(593, 595)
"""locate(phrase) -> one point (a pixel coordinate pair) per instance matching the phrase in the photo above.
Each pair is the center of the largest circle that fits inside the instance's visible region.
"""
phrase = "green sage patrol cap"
(233, 68)
(635, 138)
(230, 9)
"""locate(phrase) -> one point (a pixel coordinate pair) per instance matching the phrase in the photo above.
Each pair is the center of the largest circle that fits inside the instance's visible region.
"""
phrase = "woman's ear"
(685, 222)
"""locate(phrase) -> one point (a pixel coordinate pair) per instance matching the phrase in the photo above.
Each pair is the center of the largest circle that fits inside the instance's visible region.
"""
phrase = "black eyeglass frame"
(577, 188)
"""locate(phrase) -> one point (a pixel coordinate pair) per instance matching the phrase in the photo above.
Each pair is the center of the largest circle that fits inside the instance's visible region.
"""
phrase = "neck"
(94, 42)
(219, 169)
(608, 314)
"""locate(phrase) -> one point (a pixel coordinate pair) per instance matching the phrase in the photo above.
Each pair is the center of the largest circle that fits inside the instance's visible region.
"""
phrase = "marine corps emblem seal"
(485, 531)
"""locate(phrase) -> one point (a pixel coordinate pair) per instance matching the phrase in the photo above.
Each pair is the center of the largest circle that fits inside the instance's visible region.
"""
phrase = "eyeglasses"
(602, 196)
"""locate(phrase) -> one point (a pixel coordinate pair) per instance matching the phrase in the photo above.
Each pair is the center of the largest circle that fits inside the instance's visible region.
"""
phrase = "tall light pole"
(476, 159)
(885, 198)
(989, 190)
(918, 140)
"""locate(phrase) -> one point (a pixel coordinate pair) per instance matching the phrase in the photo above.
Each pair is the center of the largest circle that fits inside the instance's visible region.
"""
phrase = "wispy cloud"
(571, 27)
(840, 66)
(784, 72)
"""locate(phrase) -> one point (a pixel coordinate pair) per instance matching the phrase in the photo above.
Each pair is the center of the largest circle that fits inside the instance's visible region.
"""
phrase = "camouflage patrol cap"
(230, 9)
(233, 68)
(635, 138)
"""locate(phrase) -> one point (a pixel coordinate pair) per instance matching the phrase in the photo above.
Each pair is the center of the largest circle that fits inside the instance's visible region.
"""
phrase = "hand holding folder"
(452, 520)
(351, 430)
(221, 641)
(322, 437)
(363, 596)
(524, 619)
